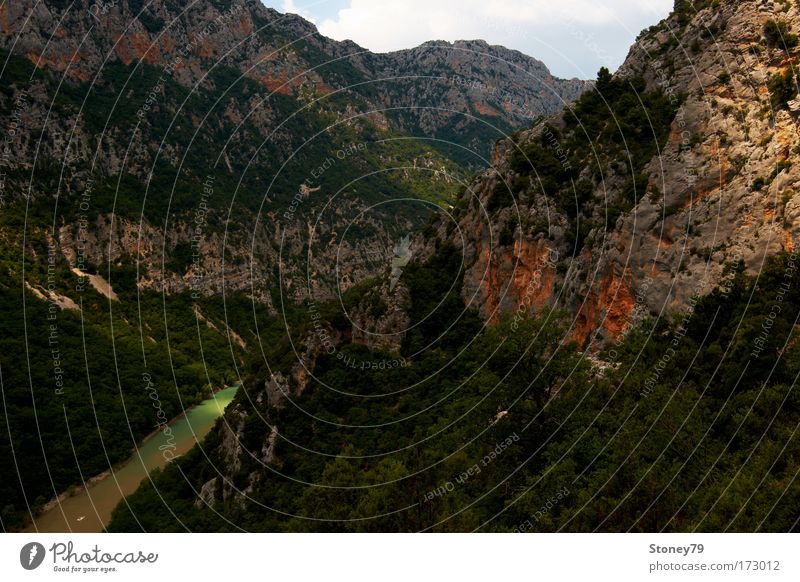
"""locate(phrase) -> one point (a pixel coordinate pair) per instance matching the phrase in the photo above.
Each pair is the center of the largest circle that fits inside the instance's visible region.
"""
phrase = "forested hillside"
(688, 426)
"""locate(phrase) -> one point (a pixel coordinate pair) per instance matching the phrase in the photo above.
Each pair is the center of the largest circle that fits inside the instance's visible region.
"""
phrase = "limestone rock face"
(506, 86)
(720, 189)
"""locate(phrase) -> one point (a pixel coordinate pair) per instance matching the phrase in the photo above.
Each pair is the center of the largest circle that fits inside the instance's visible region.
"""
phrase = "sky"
(574, 38)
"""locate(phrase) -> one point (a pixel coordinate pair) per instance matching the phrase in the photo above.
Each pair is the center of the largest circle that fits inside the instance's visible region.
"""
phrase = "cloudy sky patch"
(573, 37)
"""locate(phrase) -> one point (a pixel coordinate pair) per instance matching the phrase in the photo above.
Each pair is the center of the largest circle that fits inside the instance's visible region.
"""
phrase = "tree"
(782, 88)
(778, 34)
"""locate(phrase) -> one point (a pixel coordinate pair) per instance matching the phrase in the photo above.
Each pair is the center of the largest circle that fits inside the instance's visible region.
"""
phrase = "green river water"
(89, 510)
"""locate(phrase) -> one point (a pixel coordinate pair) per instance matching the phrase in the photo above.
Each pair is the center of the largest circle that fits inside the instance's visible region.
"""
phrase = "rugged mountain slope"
(635, 201)
(182, 111)
(498, 89)
(658, 215)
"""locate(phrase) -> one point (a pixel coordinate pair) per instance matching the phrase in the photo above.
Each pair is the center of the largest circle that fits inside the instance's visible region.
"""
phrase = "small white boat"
(81, 518)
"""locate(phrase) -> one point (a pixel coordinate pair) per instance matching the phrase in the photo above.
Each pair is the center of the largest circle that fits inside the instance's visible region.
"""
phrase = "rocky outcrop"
(209, 493)
(720, 189)
(380, 320)
(438, 82)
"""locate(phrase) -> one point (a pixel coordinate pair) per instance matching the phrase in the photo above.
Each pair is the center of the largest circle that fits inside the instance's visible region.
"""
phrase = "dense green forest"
(509, 428)
(77, 382)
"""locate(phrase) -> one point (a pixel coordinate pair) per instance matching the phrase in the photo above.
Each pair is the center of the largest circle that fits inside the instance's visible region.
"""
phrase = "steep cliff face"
(498, 89)
(227, 138)
(639, 197)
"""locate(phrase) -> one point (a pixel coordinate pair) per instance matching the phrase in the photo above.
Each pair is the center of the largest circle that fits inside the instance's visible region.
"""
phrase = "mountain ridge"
(227, 53)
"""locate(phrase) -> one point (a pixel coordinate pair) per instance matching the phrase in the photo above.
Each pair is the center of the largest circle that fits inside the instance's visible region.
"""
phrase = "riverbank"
(88, 508)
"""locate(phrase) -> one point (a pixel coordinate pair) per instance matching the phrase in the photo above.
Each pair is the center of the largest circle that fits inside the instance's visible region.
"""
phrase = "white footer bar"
(401, 557)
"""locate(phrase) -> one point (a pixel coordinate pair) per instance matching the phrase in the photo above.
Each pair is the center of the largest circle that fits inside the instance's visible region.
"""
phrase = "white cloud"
(289, 7)
(574, 37)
